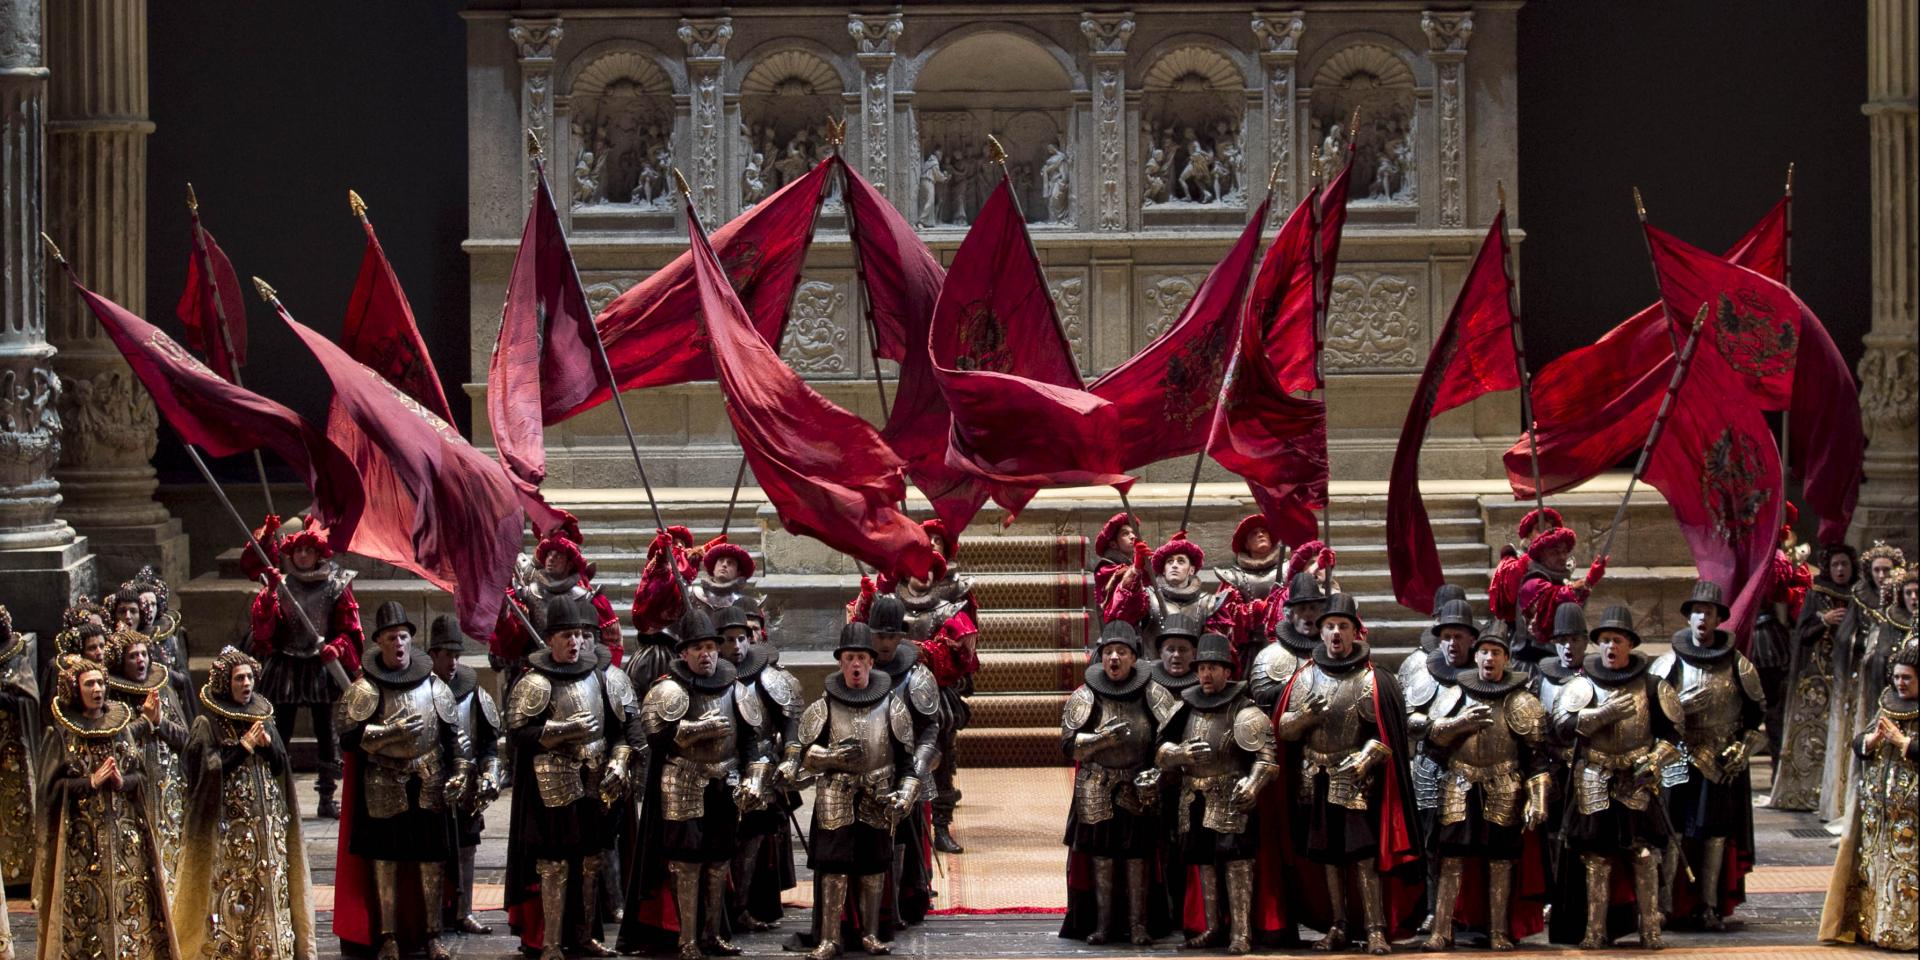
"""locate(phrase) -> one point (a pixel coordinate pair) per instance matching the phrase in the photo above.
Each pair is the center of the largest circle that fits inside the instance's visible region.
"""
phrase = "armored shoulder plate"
(1078, 711)
(666, 702)
(813, 721)
(1574, 696)
(1525, 716)
(360, 701)
(1663, 666)
(619, 689)
(443, 700)
(749, 706)
(1444, 700)
(529, 699)
(781, 686)
(488, 708)
(1670, 702)
(923, 690)
(1366, 697)
(1416, 683)
(1162, 702)
(1252, 730)
(1277, 661)
(1749, 678)
(900, 721)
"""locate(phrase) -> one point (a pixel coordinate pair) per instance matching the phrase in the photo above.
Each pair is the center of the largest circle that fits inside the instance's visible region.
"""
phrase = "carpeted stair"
(1035, 596)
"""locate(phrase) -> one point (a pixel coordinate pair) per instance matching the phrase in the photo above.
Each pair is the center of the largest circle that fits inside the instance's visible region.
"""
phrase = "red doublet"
(270, 624)
(949, 661)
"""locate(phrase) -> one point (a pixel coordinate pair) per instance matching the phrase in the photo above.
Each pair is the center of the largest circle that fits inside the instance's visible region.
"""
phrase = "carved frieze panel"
(1163, 296)
(601, 292)
(621, 109)
(1374, 83)
(1192, 114)
(1375, 320)
(1888, 393)
(819, 340)
(1069, 290)
(29, 424)
(109, 419)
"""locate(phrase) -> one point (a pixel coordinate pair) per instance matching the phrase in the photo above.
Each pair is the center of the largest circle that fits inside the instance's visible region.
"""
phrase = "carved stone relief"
(874, 39)
(1166, 295)
(1377, 84)
(535, 41)
(1279, 35)
(1069, 291)
(601, 293)
(785, 103)
(817, 341)
(1191, 117)
(706, 43)
(622, 126)
(108, 418)
(29, 425)
(956, 177)
(1373, 321)
(1890, 388)
(1107, 37)
(1447, 36)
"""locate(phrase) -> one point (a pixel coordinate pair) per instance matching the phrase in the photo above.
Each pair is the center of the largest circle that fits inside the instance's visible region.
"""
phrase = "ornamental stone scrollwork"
(535, 42)
(603, 292)
(1378, 85)
(706, 43)
(1069, 293)
(622, 127)
(816, 341)
(1166, 297)
(1372, 321)
(1447, 36)
(1191, 112)
(873, 40)
(29, 425)
(1279, 35)
(785, 101)
(1107, 37)
(108, 418)
(1107, 34)
(1890, 388)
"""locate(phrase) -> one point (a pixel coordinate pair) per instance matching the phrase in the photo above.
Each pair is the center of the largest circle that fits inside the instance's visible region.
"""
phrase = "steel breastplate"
(718, 749)
(1490, 745)
(1715, 719)
(714, 599)
(1630, 734)
(1215, 728)
(578, 696)
(1252, 584)
(867, 726)
(1549, 693)
(1348, 722)
(416, 700)
(315, 599)
(1160, 606)
(1132, 752)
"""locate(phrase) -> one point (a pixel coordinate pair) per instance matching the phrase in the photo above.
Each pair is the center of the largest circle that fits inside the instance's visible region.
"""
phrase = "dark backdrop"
(274, 110)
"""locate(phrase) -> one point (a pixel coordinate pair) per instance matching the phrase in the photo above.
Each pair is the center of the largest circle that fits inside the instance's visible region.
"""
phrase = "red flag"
(653, 338)
(1166, 393)
(211, 413)
(380, 331)
(1472, 356)
(1592, 407)
(1275, 441)
(435, 505)
(213, 292)
(1282, 300)
(826, 471)
(1020, 414)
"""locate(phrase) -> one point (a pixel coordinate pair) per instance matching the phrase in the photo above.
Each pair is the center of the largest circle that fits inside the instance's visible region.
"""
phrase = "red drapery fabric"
(380, 331)
(210, 275)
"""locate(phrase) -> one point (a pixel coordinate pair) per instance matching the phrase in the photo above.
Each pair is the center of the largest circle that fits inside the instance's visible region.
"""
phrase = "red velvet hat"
(1542, 519)
(1177, 546)
(565, 546)
(306, 538)
(681, 535)
(1558, 536)
(1246, 529)
(1111, 529)
(738, 554)
(942, 541)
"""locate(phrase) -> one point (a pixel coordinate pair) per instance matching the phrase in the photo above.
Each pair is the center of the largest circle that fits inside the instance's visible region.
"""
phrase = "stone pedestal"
(1890, 369)
(97, 212)
(42, 563)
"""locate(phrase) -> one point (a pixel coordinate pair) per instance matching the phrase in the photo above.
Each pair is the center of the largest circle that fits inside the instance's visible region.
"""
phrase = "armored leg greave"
(1210, 898)
(590, 945)
(832, 897)
(464, 899)
(1446, 895)
(872, 888)
(1645, 891)
(1102, 900)
(1372, 909)
(553, 905)
(716, 939)
(745, 862)
(1137, 902)
(686, 901)
(1599, 872)
(386, 890)
(1336, 935)
(1240, 906)
(1713, 859)
(433, 886)
(1669, 873)
(1499, 903)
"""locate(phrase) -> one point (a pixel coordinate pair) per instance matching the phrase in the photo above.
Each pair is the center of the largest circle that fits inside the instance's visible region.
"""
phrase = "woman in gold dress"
(137, 677)
(100, 884)
(1871, 896)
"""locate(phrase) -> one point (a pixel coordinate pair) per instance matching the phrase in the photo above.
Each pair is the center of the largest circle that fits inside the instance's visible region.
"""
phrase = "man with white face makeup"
(1169, 584)
(1294, 638)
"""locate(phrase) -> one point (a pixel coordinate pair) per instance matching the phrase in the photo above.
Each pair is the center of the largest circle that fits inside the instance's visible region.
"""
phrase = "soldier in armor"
(1113, 829)
(1626, 721)
(1146, 599)
(19, 740)
(763, 862)
(1551, 678)
(1490, 736)
(911, 682)
(1442, 595)
(478, 717)
(302, 669)
(411, 761)
(1294, 636)
(136, 679)
(1710, 792)
(1116, 546)
(858, 742)
(558, 569)
(1543, 585)
(1423, 678)
(1169, 677)
(943, 621)
(576, 730)
(709, 764)
(1348, 721)
(1256, 560)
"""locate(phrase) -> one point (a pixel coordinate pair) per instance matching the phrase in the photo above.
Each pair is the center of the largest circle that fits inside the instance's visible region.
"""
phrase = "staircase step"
(1010, 747)
(1033, 591)
(1016, 554)
(1016, 709)
(1030, 671)
(1038, 629)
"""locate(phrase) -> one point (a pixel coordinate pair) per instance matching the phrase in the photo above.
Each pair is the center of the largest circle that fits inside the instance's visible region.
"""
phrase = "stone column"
(1447, 36)
(706, 42)
(873, 48)
(535, 41)
(41, 562)
(1889, 371)
(1279, 35)
(97, 212)
(1107, 36)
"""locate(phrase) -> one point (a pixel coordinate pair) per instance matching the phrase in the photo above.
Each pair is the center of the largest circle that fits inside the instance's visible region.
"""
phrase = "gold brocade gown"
(19, 738)
(161, 745)
(1871, 897)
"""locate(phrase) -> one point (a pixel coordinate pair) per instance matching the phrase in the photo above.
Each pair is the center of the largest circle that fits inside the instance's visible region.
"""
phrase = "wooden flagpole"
(1520, 351)
(220, 321)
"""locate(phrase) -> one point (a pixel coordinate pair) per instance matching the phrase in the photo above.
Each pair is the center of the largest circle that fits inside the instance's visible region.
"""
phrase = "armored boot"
(590, 927)
(872, 887)
(715, 942)
(1102, 900)
(1646, 879)
(1713, 859)
(1669, 874)
(1336, 936)
(1599, 872)
(746, 863)
(1446, 896)
(1240, 906)
(686, 901)
(553, 905)
(432, 886)
(466, 922)
(1372, 909)
(832, 898)
(943, 840)
(386, 890)
(1137, 902)
(1210, 898)
(1499, 903)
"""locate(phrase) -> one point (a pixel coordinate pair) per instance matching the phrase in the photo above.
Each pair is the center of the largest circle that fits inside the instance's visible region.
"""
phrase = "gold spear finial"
(1273, 178)
(53, 249)
(836, 130)
(680, 181)
(996, 152)
(266, 290)
(1700, 319)
(357, 205)
(1639, 207)
(533, 143)
(1353, 127)
(1500, 189)
(1789, 178)
(193, 202)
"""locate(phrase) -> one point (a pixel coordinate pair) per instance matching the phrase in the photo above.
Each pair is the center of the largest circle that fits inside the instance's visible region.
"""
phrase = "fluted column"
(1279, 35)
(1890, 369)
(1107, 36)
(706, 42)
(97, 211)
(41, 562)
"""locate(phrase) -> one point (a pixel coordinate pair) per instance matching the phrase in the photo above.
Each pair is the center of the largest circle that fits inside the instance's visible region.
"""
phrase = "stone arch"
(597, 58)
(788, 91)
(1193, 112)
(1382, 80)
(778, 56)
(618, 101)
(1212, 55)
(912, 67)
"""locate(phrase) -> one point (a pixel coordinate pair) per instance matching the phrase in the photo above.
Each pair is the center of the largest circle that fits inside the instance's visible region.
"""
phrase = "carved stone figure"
(1054, 175)
(1155, 173)
(753, 182)
(932, 175)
